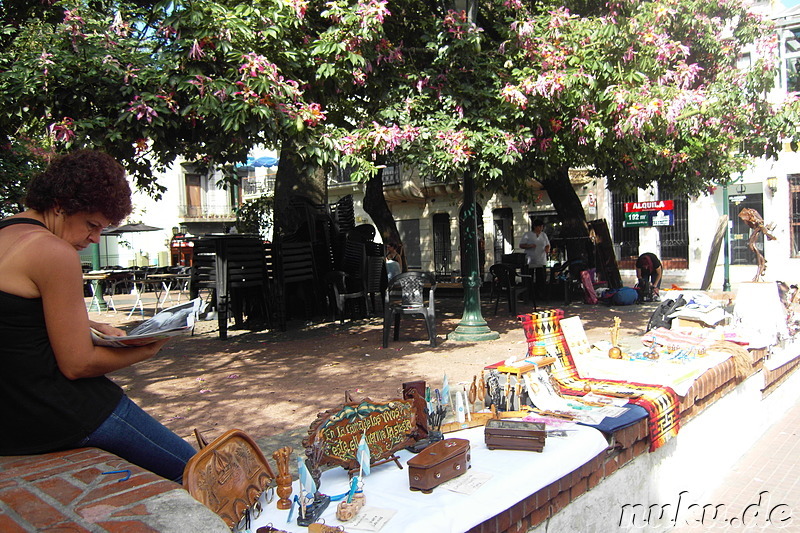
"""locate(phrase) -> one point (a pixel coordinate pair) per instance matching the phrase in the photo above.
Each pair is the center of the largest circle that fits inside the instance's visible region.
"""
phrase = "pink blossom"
(246, 92)
(62, 131)
(196, 53)
(513, 95)
(71, 16)
(455, 23)
(142, 110)
(388, 53)
(119, 27)
(525, 28)
(300, 7)
(559, 17)
(372, 13)
(110, 60)
(200, 82)
(359, 77)
(130, 73)
(456, 144)
(75, 24)
(169, 101)
(168, 32)
(312, 114)
(544, 144)
(516, 145)
(550, 84)
(629, 55)
(45, 60)
(254, 64)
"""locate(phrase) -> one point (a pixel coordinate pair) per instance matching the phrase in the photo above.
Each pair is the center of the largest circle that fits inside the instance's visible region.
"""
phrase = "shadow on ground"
(272, 384)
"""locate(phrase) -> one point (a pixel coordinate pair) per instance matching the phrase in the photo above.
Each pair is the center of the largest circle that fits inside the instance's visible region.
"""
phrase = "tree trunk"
(376, 207)
(295, 178)
(575, 230)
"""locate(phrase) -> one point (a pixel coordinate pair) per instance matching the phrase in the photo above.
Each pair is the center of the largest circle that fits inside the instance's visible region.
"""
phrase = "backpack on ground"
(659, 318)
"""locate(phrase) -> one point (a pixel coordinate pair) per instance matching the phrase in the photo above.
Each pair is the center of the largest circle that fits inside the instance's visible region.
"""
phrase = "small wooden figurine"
(614, 352)
(284, 479)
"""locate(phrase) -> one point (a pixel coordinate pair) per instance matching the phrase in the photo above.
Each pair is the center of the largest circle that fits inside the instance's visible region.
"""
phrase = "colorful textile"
(661, 402)
(674, 341)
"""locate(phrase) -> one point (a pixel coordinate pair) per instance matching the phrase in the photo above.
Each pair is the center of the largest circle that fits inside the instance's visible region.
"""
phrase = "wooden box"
(514, 435)
(438, 463)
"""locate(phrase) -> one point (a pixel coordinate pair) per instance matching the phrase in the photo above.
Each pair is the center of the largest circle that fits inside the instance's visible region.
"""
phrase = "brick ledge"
(67, 491)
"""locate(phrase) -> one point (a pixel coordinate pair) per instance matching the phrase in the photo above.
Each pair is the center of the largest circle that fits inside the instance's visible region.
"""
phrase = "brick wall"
(68, 491)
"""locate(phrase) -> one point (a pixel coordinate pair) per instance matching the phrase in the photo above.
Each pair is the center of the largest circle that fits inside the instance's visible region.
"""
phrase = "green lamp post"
(472, 326)
(726, 247)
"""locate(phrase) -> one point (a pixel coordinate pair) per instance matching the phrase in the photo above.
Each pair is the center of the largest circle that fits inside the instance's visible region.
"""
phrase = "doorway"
(740, 254)
(503, 232)
(442, 246)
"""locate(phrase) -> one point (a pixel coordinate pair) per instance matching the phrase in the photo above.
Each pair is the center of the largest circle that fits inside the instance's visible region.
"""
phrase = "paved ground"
(270, 382)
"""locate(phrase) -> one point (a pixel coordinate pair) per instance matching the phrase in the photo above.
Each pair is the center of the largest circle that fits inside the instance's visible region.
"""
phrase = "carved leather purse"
(228, 475)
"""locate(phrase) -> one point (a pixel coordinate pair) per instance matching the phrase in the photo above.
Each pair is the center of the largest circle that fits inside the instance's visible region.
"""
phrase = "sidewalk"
(765, 482)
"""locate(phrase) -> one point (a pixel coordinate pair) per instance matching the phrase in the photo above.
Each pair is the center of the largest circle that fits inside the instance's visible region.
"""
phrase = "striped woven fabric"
(661, 403)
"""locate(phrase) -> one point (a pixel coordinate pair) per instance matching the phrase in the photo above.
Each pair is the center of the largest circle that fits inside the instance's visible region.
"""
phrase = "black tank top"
(40, 409)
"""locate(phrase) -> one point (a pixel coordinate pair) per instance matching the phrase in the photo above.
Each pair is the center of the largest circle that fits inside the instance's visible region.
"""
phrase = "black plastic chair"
(406, 296)
(343, 288)
(504, 281)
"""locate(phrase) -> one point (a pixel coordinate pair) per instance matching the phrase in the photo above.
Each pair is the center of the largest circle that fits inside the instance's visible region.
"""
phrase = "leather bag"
(228, 475)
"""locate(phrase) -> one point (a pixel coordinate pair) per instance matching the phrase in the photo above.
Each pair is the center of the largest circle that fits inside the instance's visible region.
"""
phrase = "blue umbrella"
(265, 161)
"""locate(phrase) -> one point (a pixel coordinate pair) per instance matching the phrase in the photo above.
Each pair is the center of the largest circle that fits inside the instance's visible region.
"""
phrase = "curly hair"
(83, 181)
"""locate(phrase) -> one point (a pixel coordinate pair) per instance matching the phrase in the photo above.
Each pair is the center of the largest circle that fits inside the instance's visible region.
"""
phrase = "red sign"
(657, 205)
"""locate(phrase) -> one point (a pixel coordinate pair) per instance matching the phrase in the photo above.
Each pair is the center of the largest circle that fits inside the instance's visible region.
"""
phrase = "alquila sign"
(646, 214)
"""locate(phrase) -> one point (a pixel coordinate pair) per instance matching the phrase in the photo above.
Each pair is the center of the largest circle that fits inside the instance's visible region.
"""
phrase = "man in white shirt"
(536, 246)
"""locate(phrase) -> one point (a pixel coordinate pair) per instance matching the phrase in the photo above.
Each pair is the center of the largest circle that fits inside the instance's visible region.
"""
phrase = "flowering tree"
(150, 81)
(636, 92)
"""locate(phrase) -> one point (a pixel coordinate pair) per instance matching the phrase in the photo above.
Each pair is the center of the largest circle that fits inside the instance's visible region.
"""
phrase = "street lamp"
(726, 253)
(472, 326)
(772, 184)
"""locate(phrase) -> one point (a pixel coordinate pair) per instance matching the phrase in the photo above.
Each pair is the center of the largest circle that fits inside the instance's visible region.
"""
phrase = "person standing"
(54, 394)
(536, 246)
(393, 260)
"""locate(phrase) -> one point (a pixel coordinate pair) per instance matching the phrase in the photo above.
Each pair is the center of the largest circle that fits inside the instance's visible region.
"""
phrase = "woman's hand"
(107, 329)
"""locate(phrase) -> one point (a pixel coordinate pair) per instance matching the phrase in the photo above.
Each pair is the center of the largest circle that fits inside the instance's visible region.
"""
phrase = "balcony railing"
(258, 185)
(209, 212)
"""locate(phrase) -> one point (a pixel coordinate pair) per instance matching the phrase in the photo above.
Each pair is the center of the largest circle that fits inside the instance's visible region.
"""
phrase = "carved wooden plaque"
(334, 436)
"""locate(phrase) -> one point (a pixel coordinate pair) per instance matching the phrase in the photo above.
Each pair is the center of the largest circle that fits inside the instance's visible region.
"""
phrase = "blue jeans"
(137, 437)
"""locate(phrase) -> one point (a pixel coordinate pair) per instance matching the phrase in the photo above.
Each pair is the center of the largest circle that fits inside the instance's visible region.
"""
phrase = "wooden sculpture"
(284, 479)
(756, 223)
(614, 352)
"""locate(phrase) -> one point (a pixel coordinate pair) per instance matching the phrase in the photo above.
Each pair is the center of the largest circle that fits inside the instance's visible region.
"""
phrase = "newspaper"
(177, 320)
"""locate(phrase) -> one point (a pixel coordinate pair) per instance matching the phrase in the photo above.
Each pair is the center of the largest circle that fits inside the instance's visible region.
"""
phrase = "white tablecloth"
(515, 475)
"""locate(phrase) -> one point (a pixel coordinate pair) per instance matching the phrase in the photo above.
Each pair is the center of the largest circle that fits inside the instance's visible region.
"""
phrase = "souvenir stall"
(526, 437)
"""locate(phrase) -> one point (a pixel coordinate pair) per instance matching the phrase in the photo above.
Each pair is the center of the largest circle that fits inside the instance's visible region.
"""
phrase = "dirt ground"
(272, 384)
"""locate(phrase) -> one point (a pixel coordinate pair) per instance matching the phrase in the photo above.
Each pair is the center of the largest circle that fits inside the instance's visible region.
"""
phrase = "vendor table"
(512, 477)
